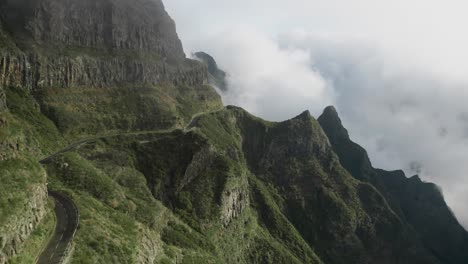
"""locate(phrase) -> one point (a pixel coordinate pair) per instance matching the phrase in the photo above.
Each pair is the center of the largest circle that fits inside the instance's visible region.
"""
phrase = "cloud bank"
(396, 72)
(268, 80)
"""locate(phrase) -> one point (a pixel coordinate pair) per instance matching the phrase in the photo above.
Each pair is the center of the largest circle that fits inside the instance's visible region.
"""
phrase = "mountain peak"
(352, 156)
(331, 123)
(330, 115)
(330, 110)
(304, 115)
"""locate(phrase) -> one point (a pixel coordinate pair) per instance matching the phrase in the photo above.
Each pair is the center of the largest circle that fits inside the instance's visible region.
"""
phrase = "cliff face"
(6, 44)
(141, 25)
(62, 31)
(19, 226)
(81, 59)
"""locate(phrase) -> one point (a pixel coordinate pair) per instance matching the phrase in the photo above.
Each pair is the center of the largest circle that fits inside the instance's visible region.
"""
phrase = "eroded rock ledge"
(19, 227)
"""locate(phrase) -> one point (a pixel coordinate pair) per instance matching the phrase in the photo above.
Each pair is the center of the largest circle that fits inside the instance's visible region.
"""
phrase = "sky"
(397, 72)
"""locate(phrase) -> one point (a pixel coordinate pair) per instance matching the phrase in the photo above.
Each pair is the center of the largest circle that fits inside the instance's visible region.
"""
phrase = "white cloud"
(265, 79)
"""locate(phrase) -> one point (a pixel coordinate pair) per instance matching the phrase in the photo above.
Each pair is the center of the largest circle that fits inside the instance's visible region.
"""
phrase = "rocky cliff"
(81, 59)
(137, 26)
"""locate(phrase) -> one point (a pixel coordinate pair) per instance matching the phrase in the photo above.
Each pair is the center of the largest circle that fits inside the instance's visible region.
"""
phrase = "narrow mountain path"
(67, 222)
(81, 142)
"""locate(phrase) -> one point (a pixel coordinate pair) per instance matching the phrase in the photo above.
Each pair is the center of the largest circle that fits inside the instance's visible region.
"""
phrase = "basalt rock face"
(3, 106)
(52, 30)
(18, 228)
(6, 43)
(418, 204)
(81, 58)
(142, 25)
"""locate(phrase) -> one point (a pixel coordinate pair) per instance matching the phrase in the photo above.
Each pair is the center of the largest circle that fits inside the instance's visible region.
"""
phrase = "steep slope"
(418, 204)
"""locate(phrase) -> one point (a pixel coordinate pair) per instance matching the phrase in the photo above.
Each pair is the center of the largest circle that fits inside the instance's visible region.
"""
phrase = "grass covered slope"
(116, 188)
(231, 188)
(25, 135)
(87, 111)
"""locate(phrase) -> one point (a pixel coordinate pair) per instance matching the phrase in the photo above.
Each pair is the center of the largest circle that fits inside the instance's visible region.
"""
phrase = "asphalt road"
(67, 222)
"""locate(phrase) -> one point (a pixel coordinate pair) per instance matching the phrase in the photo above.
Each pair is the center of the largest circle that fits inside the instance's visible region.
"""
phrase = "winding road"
(67, 222)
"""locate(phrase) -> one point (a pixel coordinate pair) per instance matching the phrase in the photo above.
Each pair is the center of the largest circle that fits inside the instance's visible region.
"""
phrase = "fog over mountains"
(396, 72)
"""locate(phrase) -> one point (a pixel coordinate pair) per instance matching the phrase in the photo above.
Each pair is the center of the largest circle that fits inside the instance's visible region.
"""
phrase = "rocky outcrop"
(8, 150)
(233, 203)
(200, 161)
(20, 226)
(149, 247)
(217, 76)
(16, 71)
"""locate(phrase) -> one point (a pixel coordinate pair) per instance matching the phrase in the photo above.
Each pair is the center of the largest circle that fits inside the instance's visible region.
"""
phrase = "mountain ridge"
(394, 185)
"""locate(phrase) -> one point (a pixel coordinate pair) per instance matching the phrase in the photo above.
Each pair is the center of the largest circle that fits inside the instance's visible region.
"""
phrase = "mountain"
(216, 76)
(99, 103)
(414, 201)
